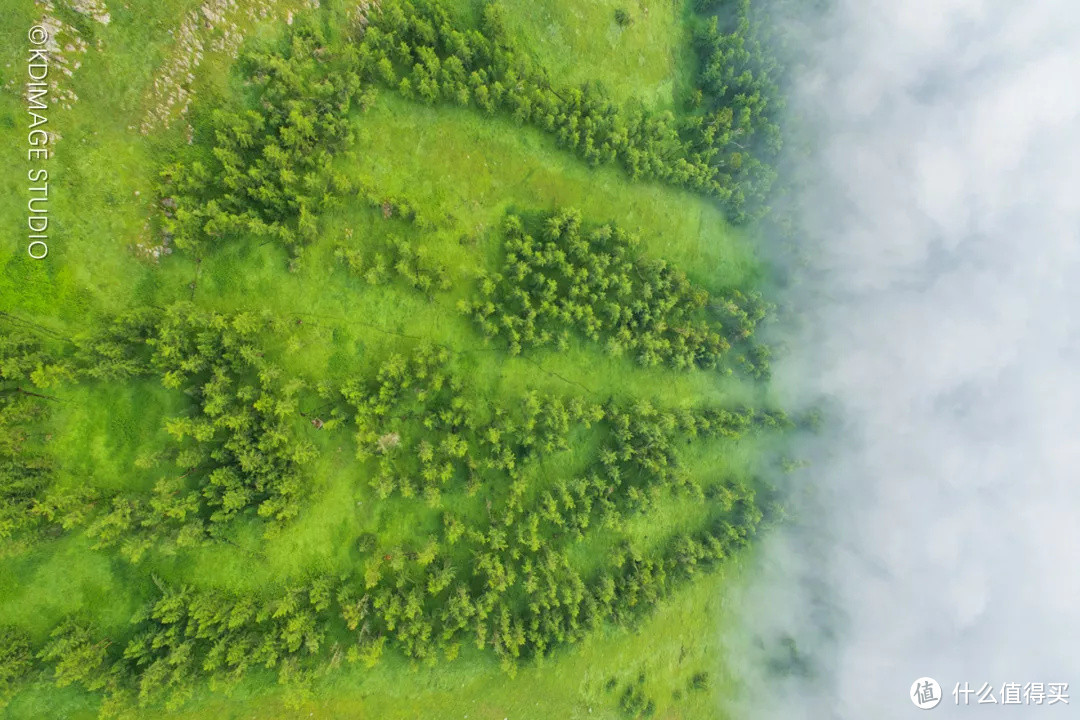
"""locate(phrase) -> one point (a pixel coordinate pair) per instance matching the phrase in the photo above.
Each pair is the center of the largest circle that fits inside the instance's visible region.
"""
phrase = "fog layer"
(937, 532)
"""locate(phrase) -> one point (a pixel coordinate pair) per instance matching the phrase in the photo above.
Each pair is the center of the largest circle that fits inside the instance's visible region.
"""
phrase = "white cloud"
(938, 529)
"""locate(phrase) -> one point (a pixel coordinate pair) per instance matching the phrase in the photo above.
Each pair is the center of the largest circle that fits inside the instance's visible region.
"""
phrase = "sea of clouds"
(936, 287)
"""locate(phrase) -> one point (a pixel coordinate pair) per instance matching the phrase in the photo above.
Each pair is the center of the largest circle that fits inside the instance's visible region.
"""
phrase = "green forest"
(397, 359)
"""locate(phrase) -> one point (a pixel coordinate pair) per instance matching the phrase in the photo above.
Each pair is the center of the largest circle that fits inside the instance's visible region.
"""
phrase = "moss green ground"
(464, 171)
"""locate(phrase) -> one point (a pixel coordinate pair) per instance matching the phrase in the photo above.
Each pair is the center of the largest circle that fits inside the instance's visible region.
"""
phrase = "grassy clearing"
(648, 59)
(411, 150)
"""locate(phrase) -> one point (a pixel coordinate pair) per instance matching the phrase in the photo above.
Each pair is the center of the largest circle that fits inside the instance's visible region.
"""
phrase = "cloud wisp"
(937, 532)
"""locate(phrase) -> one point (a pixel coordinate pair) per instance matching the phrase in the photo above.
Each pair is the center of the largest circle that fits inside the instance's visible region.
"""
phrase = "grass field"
(647, 60)
(464, 171)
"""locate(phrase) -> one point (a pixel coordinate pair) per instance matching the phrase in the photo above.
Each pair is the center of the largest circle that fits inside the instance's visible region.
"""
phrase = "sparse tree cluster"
(187, 634)
(31, 502)
(25, 473)
(16, 661)
(379, 261)
(634, 702)
(266, 172)
(237, 452)
(391, 206)
(740, 106)
(563, 280)
(397, 259)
